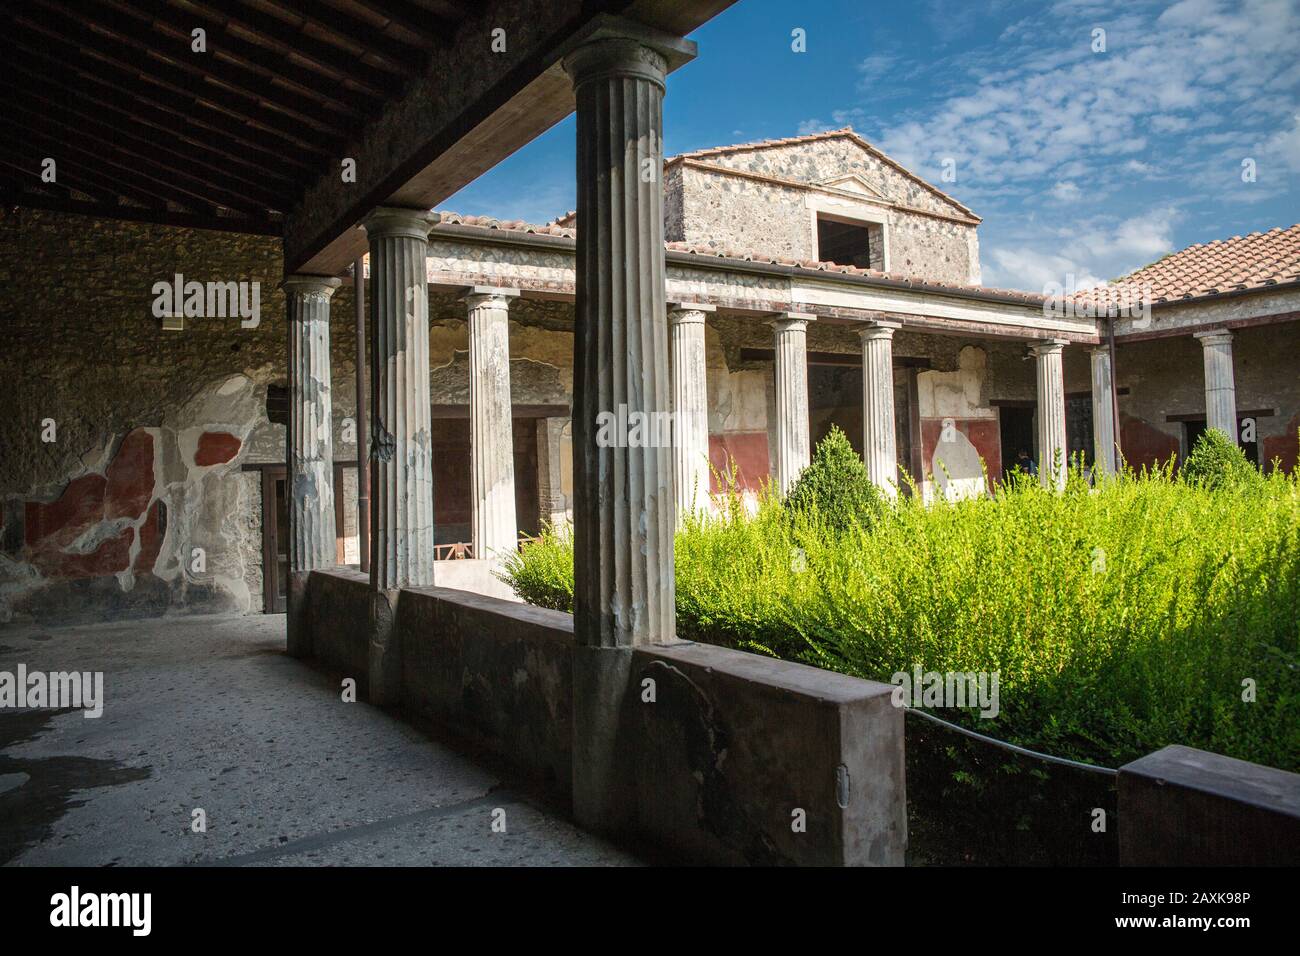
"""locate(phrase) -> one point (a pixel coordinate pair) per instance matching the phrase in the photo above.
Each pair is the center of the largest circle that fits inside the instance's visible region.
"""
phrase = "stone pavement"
(209, 712)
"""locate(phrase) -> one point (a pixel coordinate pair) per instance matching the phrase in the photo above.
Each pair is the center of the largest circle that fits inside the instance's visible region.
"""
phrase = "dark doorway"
(1195, 428)
(275, 541)
(1016, 431)
(1078, 428)
(452, 479)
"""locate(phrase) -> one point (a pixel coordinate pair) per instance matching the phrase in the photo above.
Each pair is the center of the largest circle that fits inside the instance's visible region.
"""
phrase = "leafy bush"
(836, 486)
(542, 573)
(1119, 620)
(1217, 462)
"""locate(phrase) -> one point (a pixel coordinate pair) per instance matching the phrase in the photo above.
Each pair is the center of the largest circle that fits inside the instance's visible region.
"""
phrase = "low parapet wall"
(1185, 807)
(732, 758)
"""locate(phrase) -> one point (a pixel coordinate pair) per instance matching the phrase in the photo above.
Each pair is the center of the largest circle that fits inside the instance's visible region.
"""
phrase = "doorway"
(1016, 432)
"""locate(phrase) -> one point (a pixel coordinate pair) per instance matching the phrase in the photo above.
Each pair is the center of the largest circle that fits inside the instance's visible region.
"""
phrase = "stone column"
(624, 512)
(495, 530)
(1220, 383)
(792, 444)
(690, 406)
(1052, 463)
(309, 447)
(1105, 447)
(879, 447)
(401, 467)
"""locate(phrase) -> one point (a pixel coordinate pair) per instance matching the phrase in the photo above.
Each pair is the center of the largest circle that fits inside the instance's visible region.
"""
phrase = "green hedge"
(1121, 619)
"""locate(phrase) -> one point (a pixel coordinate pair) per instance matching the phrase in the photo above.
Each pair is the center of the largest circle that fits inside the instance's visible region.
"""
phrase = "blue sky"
(1081, 163)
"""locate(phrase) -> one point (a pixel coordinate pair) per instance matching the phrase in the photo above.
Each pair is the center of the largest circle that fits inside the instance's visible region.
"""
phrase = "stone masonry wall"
(722, 211)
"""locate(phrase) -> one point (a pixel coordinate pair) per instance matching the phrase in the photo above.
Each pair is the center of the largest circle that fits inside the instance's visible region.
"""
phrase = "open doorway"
(1016, 432)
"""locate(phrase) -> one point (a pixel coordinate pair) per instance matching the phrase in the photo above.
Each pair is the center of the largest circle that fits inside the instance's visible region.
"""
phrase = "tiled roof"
(716, 252)
(1256, 261)
(508, 225)
(846, 132)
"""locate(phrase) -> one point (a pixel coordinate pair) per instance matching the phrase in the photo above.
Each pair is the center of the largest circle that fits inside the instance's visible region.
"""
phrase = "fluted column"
(401, 487)
(1105, 448)
(690, 405)
(623, 488)
(792, 442)
(309, 446)
(495, 531)
(1220, 382)
(1052, 462)
(879, 446)
(623, 507)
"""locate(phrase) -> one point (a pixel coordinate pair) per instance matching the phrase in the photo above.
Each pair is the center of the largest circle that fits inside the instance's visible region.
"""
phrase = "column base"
(604, 792)
(298, 616)
(385, 661)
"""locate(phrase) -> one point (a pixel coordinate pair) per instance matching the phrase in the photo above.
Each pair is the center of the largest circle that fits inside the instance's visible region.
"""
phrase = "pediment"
(852, 183)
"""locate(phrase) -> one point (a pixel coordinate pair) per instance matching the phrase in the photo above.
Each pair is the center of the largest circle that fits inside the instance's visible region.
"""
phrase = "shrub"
(835, 486)
(1217, 462)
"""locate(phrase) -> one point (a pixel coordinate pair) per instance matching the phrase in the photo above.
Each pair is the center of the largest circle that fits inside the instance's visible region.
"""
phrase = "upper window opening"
(844, 243)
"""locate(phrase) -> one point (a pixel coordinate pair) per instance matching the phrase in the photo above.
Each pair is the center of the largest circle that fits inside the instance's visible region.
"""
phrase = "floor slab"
(208, 713)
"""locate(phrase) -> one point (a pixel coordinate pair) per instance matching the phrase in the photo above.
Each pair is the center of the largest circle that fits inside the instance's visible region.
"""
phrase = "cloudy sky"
(1092, 136)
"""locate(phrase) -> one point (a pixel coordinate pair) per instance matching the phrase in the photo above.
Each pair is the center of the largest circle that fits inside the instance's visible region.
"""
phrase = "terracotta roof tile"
(1256, 261)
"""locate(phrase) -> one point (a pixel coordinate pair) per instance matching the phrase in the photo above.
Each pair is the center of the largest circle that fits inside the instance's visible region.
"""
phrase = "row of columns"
(624, 503)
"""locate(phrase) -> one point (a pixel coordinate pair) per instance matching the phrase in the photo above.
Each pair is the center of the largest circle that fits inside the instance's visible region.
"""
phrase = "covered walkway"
(209, 713)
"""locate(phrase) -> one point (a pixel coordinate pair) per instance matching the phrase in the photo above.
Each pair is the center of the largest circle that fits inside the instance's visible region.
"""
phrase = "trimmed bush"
(1216, 461)
(835, 486)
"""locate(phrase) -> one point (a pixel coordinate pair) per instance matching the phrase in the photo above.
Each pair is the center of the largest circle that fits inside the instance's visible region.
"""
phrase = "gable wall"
(719, 211)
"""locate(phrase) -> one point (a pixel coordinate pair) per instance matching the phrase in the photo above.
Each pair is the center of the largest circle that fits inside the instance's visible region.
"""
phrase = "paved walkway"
(208, 713)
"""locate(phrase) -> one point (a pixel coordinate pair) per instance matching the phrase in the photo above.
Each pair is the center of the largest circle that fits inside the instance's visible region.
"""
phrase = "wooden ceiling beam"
(253, 200)
(145, 136)
(289, 41)
(126, 79)
(170, 21)
(88, 43)
(172, 52)
(155, 108)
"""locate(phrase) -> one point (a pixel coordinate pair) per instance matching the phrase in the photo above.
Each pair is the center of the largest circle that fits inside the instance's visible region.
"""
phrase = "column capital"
(393, 221)
(618, 47)
(879, 329)
(1102, 349)
(1048, 347)
(484, 294)
(791, 321)
(686, 313)
(311, 285)
(1214, 336)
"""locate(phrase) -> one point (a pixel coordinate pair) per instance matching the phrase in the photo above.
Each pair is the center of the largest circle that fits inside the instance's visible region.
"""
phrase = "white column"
(1052, 463)
(792, 443)
(309, 447)
(690, 406)
(401, 487)
(1220, 383)
(1105, 447)
(495, 531)
(310, 436)
(879, 446)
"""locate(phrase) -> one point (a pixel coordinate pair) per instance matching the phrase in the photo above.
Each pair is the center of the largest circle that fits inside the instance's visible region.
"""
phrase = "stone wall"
(149, 429)
(1165, 377)
(926, 235)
